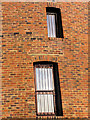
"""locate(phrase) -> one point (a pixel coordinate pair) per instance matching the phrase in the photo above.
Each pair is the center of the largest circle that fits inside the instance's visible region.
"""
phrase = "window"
(54, 23)
(51, 24)
(46, 89)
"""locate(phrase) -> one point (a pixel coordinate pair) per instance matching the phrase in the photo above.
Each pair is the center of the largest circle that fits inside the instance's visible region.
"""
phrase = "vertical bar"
(40, 78)
(37, 104)
(42, 99)
(47, 103)
(55, 24)
(54, 28)
(44, 83)
(48, 25)
(37, 80)
(45, 79)
(52, 103)
(51, 24)
(41, 103)
(49, 78)
(44, 102)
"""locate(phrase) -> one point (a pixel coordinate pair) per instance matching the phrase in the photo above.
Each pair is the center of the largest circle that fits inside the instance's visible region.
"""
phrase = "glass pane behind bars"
(51, 26)
(44, 80)
(45, 103)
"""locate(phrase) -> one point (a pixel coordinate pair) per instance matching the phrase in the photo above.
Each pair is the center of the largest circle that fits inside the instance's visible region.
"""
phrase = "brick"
(24, 34)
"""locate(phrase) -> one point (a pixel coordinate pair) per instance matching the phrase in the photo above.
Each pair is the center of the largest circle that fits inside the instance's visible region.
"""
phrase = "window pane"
(44, 80)
(37, 79)
(45, 103)
(51, 103)
(51, 25)
(50, 79)
(39, 108)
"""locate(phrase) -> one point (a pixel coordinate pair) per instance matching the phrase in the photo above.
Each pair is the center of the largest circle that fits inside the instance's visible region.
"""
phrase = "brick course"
(24, 33)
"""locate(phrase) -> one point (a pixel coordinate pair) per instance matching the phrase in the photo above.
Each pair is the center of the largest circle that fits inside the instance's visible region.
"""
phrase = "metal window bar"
(48, 118)
(45, 90)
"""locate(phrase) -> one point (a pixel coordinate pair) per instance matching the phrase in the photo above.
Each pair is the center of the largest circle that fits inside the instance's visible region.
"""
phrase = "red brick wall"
(18, 89)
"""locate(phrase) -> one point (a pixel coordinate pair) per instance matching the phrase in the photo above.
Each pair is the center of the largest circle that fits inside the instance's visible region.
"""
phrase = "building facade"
(45, 59)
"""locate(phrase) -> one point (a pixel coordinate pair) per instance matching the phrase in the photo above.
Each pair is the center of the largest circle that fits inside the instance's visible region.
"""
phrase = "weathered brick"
(24, 33)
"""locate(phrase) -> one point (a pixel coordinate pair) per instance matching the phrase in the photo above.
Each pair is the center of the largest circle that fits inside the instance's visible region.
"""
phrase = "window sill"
(46, 114)
(54, 38)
